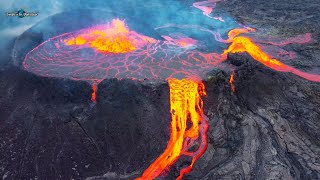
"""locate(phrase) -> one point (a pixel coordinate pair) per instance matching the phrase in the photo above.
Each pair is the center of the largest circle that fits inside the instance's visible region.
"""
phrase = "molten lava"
(231, 80)
(235, 32)
(94, 92)
(300, 39)
(182, 42)
(111, 38)
(207, 7)
(186, 106)
(244, 44)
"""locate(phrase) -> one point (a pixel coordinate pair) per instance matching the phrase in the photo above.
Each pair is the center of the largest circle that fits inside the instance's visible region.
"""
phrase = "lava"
(113, 50)
(207, 7)
(244, 44)
(231, 80)
(71, 55)
(185, 106)
(235, 32)
(111, 38)
(184, 42)
(300, 39)
(94, 92)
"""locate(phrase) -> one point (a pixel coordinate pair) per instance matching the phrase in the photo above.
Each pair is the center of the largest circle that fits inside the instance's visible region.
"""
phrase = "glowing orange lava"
(94, 92)
(245, 44)
(111, 38)
(235, 32)
(185, 105)
(231, 82)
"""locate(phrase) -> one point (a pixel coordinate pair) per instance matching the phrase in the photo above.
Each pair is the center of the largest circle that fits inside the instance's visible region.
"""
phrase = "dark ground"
(268, 129)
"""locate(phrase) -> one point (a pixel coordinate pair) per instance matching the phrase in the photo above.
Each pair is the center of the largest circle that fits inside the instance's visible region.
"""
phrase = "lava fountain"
(113, 38)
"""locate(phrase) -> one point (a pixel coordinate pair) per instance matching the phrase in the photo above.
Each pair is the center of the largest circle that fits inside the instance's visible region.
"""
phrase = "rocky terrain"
(267, 129)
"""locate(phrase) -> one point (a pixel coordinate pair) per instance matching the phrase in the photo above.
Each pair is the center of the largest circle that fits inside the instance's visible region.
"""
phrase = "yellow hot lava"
(244, 44)
(112, 38)
(241, 44)
(185, 105)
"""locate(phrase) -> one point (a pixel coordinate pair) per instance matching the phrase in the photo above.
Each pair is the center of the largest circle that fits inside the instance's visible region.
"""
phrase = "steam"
(155, 13)
(11, 27)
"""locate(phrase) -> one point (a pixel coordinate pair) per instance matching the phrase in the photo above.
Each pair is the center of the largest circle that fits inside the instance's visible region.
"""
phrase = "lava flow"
(185, 106)
(207, 7)
(231, 80)
(244, 44)
(94, 92)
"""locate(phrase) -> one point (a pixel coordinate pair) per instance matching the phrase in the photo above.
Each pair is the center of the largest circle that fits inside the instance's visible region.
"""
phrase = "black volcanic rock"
(289, 17)
(50, 127)
(131, 123)
(268, 128)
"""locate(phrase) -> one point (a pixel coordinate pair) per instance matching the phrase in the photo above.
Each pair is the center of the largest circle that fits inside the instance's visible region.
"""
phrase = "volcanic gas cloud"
(113, 50)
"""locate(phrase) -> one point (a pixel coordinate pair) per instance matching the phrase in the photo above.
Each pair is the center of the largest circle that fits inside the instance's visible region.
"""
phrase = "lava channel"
(241, 44)
(185, 106)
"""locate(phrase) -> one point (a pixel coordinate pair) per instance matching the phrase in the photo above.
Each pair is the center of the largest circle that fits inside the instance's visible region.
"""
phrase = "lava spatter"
(114, 37)
(185, 106)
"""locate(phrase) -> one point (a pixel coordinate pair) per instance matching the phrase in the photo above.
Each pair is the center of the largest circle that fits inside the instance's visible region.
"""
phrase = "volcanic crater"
(174, 112)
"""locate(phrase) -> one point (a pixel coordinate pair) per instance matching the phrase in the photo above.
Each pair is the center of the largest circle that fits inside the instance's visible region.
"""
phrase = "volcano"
(119, 96)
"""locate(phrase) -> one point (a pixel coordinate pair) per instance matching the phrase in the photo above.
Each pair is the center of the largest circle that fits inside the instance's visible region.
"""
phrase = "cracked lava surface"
(113, 50)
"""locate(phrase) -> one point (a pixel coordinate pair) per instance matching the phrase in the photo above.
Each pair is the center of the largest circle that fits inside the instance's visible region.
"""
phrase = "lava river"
(113, 50)
(185, 105)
